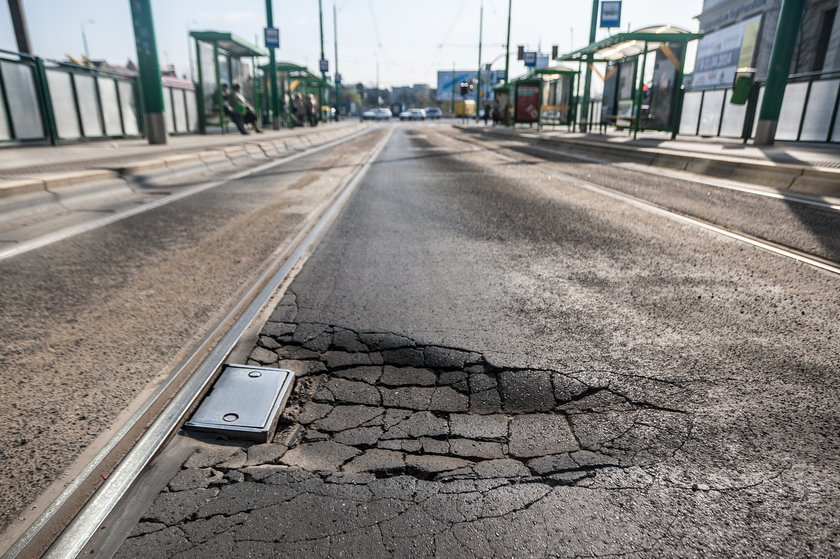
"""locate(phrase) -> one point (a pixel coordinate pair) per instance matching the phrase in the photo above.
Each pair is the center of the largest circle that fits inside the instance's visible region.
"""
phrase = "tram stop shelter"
(221, 58)
(294, 78)
(544, 96)
(627, 101)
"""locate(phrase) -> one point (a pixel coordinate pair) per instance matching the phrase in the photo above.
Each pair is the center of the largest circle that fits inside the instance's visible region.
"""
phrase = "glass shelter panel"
(5, 133)
(192, 110)
(690, 112)
(167, 110)
(179, 110)
(128, 106)
(791, 114)
(24, 107)
(733, 118)
(817, 121)
(110, 106)
(88, 105)
(60, 84)
(712, 111)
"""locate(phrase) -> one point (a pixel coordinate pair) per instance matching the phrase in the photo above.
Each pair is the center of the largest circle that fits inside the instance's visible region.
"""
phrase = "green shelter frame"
(622, 47)
(543, 77)
(294, 78)
(231, 49)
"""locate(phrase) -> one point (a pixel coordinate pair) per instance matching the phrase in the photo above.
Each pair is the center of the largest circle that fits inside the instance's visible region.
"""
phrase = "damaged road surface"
(492, 363)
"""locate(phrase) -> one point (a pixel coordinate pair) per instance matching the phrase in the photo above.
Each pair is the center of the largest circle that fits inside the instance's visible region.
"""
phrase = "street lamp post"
(321, 62)
(478, 84)
(272, 71)
(587, 80)
(336, 78)
(84, 38)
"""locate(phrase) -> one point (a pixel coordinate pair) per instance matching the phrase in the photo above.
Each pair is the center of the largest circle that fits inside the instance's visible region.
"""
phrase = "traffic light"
(554, 52)
(520, 52)
(465, 88)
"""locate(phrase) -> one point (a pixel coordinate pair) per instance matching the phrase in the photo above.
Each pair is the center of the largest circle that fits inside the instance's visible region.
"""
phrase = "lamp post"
(478, 84)
(587, 80)
(507, 59)
(84, 38)
(336, 77)
(272, 71)
(321, 62)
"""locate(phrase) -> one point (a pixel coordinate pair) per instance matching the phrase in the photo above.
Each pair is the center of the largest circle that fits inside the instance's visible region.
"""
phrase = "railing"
(809, 110)
(47, 100)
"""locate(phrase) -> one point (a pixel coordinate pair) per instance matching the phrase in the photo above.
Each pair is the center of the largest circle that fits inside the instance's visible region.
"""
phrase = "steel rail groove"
(166, 409)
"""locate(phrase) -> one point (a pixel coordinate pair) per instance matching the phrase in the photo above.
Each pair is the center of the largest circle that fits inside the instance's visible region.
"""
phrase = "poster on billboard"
(449, 82)
(662, 92)
(720, 53)
(527, 108)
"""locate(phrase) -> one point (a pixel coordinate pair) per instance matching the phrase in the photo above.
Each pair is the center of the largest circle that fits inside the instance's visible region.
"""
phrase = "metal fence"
(49, 101)
(809, 110)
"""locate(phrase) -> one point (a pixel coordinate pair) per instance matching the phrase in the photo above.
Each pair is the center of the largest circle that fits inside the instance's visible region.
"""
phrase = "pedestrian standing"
(227, 107)
(244, 108)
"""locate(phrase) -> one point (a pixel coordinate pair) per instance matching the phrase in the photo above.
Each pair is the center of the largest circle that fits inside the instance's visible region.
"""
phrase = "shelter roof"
(233, 45)
(625, 45)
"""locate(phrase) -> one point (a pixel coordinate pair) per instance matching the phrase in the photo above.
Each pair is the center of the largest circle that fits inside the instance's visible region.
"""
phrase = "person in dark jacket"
(227, 107)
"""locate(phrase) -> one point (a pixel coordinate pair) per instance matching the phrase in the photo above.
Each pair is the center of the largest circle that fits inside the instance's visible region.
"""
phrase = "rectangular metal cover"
(245, 402)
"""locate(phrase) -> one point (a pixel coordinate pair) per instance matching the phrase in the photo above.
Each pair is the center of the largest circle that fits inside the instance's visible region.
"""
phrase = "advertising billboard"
(449, 82)
(527, 108)
(720, 53)
(663, 91)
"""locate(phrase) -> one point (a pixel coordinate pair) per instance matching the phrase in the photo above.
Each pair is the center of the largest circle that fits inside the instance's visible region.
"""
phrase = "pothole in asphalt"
(382, 404)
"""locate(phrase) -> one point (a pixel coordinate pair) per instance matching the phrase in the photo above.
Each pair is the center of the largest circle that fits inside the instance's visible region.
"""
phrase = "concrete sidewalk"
(37, 179)
(807, 168)
(31, 165)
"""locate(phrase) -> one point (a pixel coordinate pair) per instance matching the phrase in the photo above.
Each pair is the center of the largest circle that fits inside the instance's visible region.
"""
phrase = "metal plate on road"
(244, 403)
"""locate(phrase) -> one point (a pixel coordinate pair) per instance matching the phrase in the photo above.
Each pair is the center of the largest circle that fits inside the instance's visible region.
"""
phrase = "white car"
(377, 114)
(433, 113)
(413, 114)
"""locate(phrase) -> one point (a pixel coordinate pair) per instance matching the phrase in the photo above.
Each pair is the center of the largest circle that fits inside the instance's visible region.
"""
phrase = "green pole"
(478, 84)
(151, 88)
(272, 70)
(202, 106)
(678, 94)
(507, 60)
(323, 74)
(220, 99)
(337, 84)
(790, 15)
(640, 93)
(587, 80)
(453, 90)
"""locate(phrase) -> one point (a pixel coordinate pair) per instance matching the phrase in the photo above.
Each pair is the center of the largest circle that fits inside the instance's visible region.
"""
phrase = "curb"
(783, 176)
(28, 197)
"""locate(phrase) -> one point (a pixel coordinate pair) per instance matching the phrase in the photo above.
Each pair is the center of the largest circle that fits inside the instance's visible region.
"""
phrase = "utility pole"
(321, 62)
(337, 84)
(790, 16)
(587, 81)
(507, 63)
(151, 88)
(453, 89)
(272, 71)
(478, 84)
(19, 24)
(84, 38)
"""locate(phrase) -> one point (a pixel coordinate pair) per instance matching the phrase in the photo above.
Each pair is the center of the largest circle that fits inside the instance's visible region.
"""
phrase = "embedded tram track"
(71, 520)
(778, 248)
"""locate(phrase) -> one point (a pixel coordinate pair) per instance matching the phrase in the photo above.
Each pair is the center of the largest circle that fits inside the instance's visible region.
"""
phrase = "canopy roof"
(233, 45)
(625, 45)
(555, 70)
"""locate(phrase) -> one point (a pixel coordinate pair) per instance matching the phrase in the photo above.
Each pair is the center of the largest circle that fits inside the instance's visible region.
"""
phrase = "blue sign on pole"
(272, 38)
(530, 59)
(611, 13)
(324, 65)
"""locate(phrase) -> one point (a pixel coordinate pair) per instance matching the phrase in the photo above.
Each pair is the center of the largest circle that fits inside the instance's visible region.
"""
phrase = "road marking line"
(775, 248)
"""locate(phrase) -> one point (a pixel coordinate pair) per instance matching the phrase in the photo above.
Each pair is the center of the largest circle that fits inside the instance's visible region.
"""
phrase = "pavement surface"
(493, 362)
(92, 324)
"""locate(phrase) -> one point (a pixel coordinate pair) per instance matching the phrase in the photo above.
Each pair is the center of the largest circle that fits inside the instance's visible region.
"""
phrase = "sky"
(400, 42)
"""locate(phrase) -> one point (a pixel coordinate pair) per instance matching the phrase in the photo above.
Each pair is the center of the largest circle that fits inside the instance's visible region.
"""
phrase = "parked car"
(377, 114)
(433, 113)
(413, 114)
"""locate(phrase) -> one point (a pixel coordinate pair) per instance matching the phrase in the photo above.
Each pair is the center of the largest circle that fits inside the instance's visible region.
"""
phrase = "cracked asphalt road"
(493, 363)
